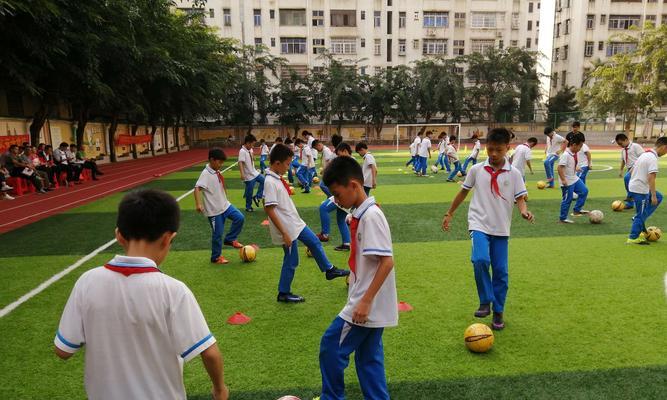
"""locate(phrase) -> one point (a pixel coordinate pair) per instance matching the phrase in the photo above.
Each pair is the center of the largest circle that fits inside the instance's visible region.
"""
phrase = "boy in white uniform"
(417, 143)
(372, 300)
(249, 175)
(453, 159)
(522, 156)
(303, 173)
(329, 205)
(570, 182)
(643, 191)
(555, 145)
(138, 324)
(630, 152)
(216, 207)
(472, 158)
(443, 160)
(413, 153)
(287, 227)
(424, 154)
(369, 167)
(497, 187)
(263, 155)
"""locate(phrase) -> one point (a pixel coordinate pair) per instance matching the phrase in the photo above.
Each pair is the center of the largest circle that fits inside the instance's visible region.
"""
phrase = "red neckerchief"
(626, 153)
(576, 160)
(289, 191)
(127, 271)
(221, 179)
(495, 189)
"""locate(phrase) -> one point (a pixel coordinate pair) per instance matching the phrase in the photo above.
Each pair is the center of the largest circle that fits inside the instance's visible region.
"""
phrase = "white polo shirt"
(646, 164)
(567, 159)
(442, 147)
(475, 149)
(248, 165)
(373, 239)
(553, 144)
(215, 198)
(275, 194)
(264, 150)
(327, 156)
(367, 170)
(631, 153)
(581, 156)
(306, 156)
(522, 153)
(417, 143)
(424, 147)
(138, 330)
(413, 149)
(488, 212)
(60, 156)
(451, 153)
(311, 139)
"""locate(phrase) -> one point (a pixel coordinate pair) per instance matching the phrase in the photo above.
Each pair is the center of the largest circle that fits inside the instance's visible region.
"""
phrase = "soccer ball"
(653, 233)
(478, 338)
(434, 169)
(617, 205)
(459, 174)
(289, 397)
(316, 180)
(541, 184)
(595, 216)
(308, 252)
(248, 253)
(291, 188)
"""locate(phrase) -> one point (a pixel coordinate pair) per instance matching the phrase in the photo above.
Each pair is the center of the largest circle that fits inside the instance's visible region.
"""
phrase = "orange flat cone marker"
(265, 222)
(403, 306)
(238, 319)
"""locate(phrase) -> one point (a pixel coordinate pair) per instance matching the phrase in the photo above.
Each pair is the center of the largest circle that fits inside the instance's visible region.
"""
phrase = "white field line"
(34, 292)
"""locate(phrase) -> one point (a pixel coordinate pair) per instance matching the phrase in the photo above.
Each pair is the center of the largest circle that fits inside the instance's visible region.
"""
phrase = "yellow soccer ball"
(653, 233)
(248, 253)
(617, 205)
(478, 338)
(316, 180)
(459, 174)
(541, 184)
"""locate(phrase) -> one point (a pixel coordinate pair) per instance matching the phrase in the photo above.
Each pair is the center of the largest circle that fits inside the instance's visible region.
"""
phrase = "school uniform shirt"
(413, 149)
(372, 240)
(327, 156)
(451, 153)
(490, 210)
(60, 156)
(424, 147)
(567, 159)
(310, 141)
(367, 170)
(553, 144)
(442, 147)
(265, 150)
(475, 149)
(646, 164)
(306, 156)
(276, 194)
(581, 156)
(138, 327)
(416, 143)
(215, 198)
(522, 153)
(631, 153)
(248, 166)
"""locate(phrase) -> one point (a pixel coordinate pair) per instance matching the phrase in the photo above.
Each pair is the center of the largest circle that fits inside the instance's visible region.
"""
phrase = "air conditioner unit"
(430, 32)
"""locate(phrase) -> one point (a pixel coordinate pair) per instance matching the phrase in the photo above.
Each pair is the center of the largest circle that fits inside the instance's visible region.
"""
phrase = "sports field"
(585, 315)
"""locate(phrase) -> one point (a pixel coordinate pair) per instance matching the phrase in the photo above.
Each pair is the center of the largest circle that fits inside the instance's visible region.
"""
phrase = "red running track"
(117, 177)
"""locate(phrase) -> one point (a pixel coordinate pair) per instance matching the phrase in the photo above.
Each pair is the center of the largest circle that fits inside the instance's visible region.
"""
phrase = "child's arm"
(563, 145)
(460, 196)
(213, 363)
(271, 212)
(62, 354)
(198, 204)
(360, 314)
(241, 166)
(523, 208)
(561, 174)
(620, 172)
(588, 157)
(375, 174)
(530, 167)
(651, 186)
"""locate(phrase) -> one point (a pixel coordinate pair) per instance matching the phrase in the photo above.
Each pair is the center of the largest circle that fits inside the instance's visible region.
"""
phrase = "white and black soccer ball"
(434, 169)
(596, 217)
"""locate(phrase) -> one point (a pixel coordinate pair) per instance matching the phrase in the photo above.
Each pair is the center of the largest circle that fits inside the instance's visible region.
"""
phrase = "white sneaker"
(8, 197)
(6, 187)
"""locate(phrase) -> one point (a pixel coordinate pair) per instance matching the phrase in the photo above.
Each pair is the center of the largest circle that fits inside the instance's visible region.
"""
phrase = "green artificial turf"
(585, 312)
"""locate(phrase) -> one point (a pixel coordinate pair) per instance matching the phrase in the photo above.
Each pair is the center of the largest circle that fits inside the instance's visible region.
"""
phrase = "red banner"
(6, 141)
(129, 139)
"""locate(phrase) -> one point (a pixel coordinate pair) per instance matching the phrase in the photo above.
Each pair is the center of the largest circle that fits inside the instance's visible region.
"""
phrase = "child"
(555, 146)
(216, 207)
(630, 152)
(329, 205)
(642, 189)
(278, 140)
(584, 160)
(291, 172)
(303, 173)
(522, 156)
(263, 155)
(413, 154)
(497, 187)
(453, 159)
(472, 158)
(417, 142)
(249, 174)
(369, 167)
(286, 227)
(570, 182)
(443, 160)
(372, 299)
(139, 325)
(327, 156)
(424, 154)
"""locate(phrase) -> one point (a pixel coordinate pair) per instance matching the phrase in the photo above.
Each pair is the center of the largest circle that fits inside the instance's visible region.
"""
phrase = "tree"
(293, 103)
(337, 92)
(377, 99)
(563, 102)
(439, 88)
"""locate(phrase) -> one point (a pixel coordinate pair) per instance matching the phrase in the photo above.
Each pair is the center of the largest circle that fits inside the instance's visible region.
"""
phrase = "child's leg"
(342, 225)
(457, 168)
(650, 208)
(418, 161)
(582, 192)
(290, 176)
(499, 264)
(217, 229)
(549, 169)
(260, 187)
(308, 238)
(568, 192)
(465, 164)
(313, 173)
(290, 262)
(367, 190)
(626, 181)
(640, 201)
(481, 260)
(302, 175)
(247, 194)
(410, 161)
(582, 174)
(326, 207)
(237, 223)
(369, 362)
(446, 160)
(423, 164)
(325, 189)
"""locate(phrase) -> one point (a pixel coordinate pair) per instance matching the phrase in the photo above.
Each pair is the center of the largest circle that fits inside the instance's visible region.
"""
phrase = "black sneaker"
(333, 273)
(290, 298)
(498, 324)
(484, 310)
(342, 247)
(256, 201)
(249, 209)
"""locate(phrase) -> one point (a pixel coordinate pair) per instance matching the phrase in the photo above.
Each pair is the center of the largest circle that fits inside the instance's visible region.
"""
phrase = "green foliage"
(561, 106)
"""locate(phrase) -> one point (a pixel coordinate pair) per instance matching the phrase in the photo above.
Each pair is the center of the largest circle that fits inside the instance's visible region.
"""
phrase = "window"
(318, 18)
(292, 18)
(459, 47)
(389, 50)
(554, 80)
(292, 45)
(436, 19)
(458, 70)
(459, 20)
(620, 48)
(318, 46)
(556, 55)
(227, 16)
(537, 41)
(530, 26)
(211, 12)
(528, 43)
(603, 19)
(344, 46)
(258, 41)
(623, 21)
(558, 29)
(362, 71)
(514, 43)
(363, 15)
(377, 18)
(530, 7)
(363, 42)
(484, 20)
(378, 47)
(515, 21)
(590, 21)
(389, 3)
(567, 26)
(600, 46)
(588, 49)
(652, 19)
(257, 16)
(415, 44)
(343, 17)
(501, 44)
(434, 46)
(389, 22)
(482, 45)
(566, 50)
(401, 47)
(664, 19)
(377, 70)
(563, 75)
(401, 19)
(273, 42)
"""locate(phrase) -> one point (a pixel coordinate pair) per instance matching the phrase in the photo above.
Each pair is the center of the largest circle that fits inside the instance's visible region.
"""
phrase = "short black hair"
(576, 138)
(341, 170)
(428, 133)
(621, 136)
(420, 133)
(249, 139)
(279, 139)
(298, 141)
(48, 146)
(577, 124)
(11, 147)
(64, 144)
(147, 214)
(261, 140)
(280, 153)
(306, 133)
(499, 136)
(336, 140)
(570, 135)
(315, 143)
(343, 147)
(548, 130)
(217, 153)
(287, 141)
(661, 141)
(532, 140)
(452, 138)
(360, 145)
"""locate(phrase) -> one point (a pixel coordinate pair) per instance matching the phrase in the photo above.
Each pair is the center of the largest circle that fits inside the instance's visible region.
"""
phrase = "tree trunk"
(82, 121)
(38, 121)
(165, 137)
(177, 127)
(133, 132)
(112, 137)
(153, 131)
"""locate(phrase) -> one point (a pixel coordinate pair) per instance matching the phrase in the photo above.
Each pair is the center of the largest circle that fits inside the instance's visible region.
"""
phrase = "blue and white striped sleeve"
(376, 236)
(519, 185)
(70, 336)
(189, 331)
(471, 177)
